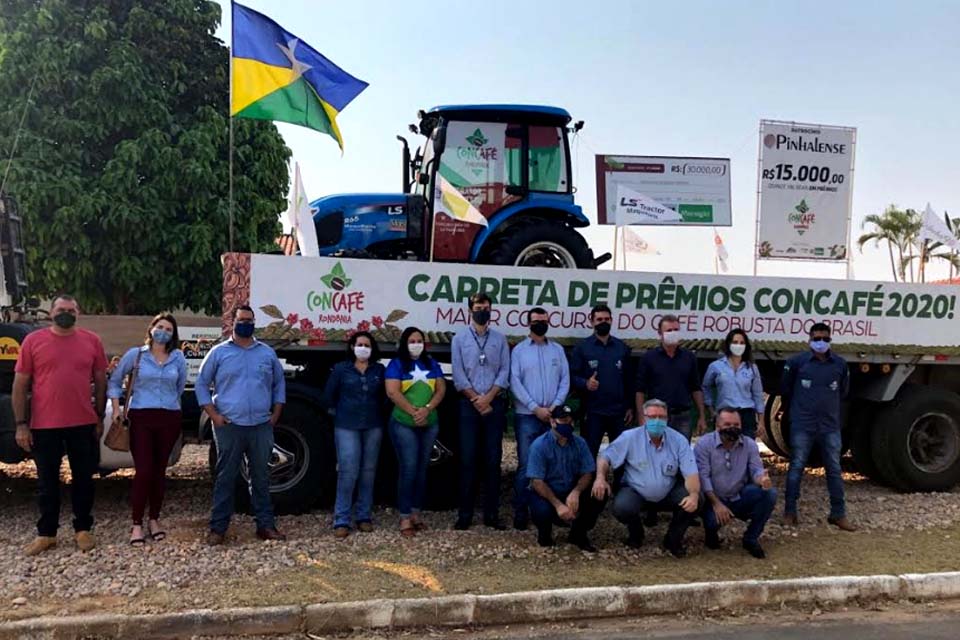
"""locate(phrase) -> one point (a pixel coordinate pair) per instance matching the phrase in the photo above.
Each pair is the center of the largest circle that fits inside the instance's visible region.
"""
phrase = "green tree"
(883, 230)
(122, 165)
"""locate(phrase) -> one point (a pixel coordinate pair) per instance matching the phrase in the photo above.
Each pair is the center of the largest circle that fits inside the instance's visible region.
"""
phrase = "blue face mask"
(161, 336)
(243, 329)
(655, 426)
(819, 346)
(564, 430)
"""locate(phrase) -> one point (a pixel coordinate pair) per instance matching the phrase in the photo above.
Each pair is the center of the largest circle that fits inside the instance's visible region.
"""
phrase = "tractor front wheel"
(536, 242)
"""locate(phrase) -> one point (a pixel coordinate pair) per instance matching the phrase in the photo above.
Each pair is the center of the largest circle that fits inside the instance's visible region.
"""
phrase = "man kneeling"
(734, 481)
(560, 469)
(661, 475)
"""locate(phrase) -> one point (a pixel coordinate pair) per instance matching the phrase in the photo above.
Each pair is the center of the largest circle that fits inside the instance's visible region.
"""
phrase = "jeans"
(748, 422)
(413, 446)
(544, 516)
(476, 431)
(595, 426)
(82, 449)
(680, 421)
(830, 443)
(754, 506)
(357, 454)
(629, 507)
(153, 434)
(234, 442)
(527, 428)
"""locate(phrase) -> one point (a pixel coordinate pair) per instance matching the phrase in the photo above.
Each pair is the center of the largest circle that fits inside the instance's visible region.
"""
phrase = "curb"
(508, 608)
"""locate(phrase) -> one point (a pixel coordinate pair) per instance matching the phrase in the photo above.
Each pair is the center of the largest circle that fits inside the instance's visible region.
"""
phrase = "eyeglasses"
(726, 460)
(822, 338)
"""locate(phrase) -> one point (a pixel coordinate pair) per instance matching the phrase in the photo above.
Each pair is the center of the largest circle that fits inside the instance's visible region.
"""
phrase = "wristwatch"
(22, 422)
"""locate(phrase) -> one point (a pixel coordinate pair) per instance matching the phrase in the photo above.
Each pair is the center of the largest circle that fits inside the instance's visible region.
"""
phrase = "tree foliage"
(122, 166)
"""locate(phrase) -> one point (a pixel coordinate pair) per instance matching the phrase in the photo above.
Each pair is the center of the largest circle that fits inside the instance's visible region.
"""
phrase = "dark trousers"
(754, 506)
(481, 437)
(81, 446)
(681, 420)
(748, 421)
(544, 516)
(595, 426)
(153, 434)
(630, 508)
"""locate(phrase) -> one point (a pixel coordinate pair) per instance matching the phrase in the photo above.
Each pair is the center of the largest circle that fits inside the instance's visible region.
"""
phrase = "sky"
(655, 78)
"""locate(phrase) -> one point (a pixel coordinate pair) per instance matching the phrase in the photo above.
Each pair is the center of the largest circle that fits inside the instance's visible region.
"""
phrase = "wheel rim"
(934, 442)
(775, 427)
(289, 459)
(546, 254)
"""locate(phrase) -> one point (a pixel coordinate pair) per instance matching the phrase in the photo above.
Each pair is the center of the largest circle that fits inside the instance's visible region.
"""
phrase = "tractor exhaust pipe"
(599, 260)
(406, 164)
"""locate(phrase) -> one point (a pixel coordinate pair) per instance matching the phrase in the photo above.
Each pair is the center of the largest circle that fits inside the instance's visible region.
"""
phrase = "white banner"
(805, 178)
(935, 229)
(661, 190)
(314, 300)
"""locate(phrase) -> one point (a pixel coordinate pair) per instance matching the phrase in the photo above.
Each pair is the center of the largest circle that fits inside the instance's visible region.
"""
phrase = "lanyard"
(481, 347)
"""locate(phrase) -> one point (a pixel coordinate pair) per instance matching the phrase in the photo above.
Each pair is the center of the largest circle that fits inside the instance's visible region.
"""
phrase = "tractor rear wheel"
(537, 242)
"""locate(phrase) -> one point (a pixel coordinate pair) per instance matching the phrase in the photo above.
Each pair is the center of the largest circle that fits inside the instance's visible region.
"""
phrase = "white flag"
(722, 254)
(300, 215)
(450, 202)
(635, 208)
(633, 243)
(933, 228)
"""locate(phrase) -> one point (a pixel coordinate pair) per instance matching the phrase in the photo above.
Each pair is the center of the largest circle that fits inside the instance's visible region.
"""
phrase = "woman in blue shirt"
(734, 381)
(355, 395)
(154, 414)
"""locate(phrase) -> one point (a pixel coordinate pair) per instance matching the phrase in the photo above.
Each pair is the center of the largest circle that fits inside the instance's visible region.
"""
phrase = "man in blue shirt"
(669, 373)
(560, 470)
(734, 482)
(249, 394)
(600, 371)
(481, 371)
(661, 475)
(540, 382)
(811, 389)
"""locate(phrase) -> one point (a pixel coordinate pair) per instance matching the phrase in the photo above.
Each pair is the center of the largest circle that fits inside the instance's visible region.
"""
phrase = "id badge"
(483, 359)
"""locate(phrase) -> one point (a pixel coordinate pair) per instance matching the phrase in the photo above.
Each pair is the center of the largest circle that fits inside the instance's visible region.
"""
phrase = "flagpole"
(623, 247)
(616, 233)
(230, 138)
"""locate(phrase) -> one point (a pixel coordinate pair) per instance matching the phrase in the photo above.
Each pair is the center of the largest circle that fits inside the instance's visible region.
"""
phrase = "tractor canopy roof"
(510, 113)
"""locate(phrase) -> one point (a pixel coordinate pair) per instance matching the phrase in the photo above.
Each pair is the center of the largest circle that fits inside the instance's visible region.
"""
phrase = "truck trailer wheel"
(537, 242)
(862, 421)
(303, 464)
(774, 436)
(916, 441)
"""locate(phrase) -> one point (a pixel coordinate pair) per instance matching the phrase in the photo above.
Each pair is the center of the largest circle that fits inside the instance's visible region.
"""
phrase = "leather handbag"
(118, 437)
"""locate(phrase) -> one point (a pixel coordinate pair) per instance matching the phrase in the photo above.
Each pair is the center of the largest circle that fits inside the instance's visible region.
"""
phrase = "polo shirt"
(672, 380)
(651, 470)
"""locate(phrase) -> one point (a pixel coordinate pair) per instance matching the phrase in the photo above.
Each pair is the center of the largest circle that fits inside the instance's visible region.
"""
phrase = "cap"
(562, 411)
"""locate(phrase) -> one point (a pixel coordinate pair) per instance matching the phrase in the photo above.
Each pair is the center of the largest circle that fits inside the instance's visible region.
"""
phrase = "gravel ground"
(182, 572)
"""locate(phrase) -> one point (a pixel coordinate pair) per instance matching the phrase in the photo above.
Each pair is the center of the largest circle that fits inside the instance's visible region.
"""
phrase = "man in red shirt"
(57, 365)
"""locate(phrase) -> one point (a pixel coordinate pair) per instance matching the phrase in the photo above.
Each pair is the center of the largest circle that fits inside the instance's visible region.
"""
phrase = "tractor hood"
(359, 222)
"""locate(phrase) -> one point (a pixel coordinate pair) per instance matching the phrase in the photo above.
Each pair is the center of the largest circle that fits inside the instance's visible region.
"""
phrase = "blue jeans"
(357, 455)
(526, 428)
(233, 443)
(478, 431)
(754, 506)
(412, 446)
(830, 443)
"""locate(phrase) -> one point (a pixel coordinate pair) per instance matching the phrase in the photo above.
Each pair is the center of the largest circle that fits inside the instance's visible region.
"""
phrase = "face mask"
(731, 434)
(819, 346)
(481, 317)
(671, 338)
(539, 328)
(243, 329)
(362, 353)
(738, 349)
(161, 336)
(64, 320)
(602, 329)
(415, 349)
(656, 426)
(564, 430)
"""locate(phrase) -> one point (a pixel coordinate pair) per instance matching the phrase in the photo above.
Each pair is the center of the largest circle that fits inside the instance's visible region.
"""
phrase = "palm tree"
(895, 227)
(884, 230)
(928, 250)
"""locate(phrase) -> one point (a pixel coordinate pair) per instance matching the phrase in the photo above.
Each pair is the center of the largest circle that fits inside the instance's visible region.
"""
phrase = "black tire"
(307, 474)
(916, 441)
(862, 421)
(777, 436)
(541, 243)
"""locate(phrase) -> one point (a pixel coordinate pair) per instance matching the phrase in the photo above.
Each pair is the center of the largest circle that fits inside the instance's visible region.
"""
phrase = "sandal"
(409, 531)
(156, 536)
(138, 542)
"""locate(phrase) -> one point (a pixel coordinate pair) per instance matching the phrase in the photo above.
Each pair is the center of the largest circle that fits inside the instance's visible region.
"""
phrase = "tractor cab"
(490, 184)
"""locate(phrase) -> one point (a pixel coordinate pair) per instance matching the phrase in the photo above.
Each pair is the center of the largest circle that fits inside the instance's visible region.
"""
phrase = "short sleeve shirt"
(559, 466)
(61, 369)
(418, 382)
(651, 471)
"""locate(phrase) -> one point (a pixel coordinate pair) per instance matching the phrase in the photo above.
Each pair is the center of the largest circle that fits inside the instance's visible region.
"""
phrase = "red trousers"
(153, 434)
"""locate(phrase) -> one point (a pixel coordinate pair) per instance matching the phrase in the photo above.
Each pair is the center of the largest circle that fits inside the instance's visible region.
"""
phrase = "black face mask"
(481, 317)
(602, 329)
(539, 328)
(64, 320)
(730, 435)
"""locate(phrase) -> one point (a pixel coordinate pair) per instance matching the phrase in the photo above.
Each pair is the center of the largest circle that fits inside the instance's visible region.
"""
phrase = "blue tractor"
(491, 184)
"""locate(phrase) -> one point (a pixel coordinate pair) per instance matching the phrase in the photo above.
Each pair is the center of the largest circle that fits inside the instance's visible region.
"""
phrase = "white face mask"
(738, 349)
(362, 352)
(415, 349)
(671, 338)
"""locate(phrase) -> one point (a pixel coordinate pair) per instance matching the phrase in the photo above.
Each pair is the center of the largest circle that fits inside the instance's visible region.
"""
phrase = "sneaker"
(843, 523)
(711, 539)
(39, 545)
(85, 541)
(754, 549)
(463, 523)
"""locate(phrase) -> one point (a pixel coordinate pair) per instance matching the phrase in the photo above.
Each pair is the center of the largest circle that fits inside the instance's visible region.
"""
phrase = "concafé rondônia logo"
(801, 218)
(336, 298)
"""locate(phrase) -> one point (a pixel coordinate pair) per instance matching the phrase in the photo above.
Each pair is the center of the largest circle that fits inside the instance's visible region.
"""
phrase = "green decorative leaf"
(396, 315)
(272, 311)
(327, 280)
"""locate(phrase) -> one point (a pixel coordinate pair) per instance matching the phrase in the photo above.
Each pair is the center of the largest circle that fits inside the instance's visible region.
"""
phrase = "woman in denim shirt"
(734, 381)
(355, 395)
(154, 416)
